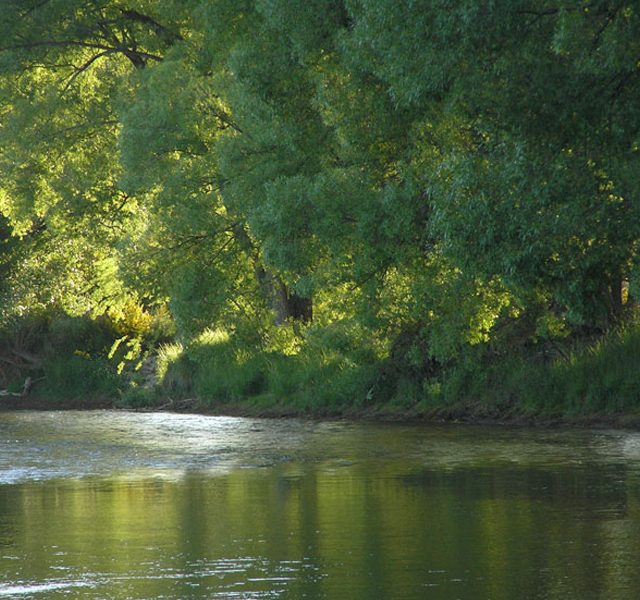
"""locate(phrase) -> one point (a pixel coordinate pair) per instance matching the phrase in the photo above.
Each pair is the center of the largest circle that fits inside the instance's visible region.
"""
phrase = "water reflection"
(106, 505)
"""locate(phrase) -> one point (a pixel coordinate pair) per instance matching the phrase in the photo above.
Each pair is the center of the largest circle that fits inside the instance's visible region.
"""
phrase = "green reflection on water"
(360, 529)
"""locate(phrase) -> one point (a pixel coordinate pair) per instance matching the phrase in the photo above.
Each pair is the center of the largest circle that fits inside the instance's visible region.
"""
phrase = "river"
(117, 505)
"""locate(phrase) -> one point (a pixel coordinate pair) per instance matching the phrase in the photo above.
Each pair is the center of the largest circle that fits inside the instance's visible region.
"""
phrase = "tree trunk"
(285, 304)
(300, 308)
(616, 298)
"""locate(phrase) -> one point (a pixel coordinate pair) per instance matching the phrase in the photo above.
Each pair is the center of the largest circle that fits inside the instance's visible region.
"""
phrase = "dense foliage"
(378, 191)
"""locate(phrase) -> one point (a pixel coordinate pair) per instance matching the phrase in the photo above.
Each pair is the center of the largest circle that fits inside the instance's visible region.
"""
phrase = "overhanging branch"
(132, 54)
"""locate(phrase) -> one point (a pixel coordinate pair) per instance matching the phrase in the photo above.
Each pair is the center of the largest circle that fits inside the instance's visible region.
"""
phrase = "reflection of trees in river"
(330, 530)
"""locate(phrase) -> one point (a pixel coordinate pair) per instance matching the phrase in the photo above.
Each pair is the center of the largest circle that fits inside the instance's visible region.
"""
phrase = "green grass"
(599, 379)
(76, 378)
(216, 371)
(326, 377)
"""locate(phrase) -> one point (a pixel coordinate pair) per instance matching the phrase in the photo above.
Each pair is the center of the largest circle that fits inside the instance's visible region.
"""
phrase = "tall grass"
(325, 377)
(599, 378)
(218, 369)
(80, 380)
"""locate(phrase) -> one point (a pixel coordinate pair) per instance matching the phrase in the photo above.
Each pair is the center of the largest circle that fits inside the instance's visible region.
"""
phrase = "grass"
(598, 379)
(602, 378)
(78, 379)
(217, 371)
(337, 372)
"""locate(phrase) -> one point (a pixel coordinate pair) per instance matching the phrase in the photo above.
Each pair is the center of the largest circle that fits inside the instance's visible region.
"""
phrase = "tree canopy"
(422, 170)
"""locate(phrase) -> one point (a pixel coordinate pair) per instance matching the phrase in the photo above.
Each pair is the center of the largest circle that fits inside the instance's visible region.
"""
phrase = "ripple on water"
(29, 589)
(237, 577)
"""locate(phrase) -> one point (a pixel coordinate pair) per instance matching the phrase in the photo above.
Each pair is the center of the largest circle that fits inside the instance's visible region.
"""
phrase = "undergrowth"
(333, 370)
(598, 378)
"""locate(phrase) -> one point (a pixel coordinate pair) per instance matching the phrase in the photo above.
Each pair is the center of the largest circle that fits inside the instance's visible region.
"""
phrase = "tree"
(426, 170)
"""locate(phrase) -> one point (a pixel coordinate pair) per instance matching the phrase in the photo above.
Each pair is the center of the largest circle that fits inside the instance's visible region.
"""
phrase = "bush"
(67, 335)
(79, 378)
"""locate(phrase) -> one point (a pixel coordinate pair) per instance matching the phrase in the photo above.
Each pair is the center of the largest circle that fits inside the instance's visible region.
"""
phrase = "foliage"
(79, 379)
(592, 379)
(385, 195)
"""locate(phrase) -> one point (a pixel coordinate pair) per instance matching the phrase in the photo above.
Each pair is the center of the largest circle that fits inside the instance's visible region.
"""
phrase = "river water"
(117, 505)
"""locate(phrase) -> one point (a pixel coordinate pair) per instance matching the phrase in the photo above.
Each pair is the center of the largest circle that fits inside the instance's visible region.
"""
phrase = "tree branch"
(132, 54)
(81, 69)
(159, 29)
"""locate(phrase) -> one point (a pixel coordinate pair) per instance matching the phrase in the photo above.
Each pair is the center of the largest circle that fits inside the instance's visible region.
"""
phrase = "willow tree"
(328, 170)
(62, 68)
(539, 188)
(88, 98)
(423, 169)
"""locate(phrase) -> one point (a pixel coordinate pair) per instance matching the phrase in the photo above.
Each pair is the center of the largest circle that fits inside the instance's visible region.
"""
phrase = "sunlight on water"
(39, 588)
(122, 506)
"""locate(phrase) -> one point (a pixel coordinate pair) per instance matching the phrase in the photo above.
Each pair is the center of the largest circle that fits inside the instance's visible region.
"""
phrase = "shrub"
(79, 378)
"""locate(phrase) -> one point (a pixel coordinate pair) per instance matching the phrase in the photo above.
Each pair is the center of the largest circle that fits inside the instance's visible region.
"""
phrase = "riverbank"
(461, 414)
(585, 384)
(468, 414)
(594, 384)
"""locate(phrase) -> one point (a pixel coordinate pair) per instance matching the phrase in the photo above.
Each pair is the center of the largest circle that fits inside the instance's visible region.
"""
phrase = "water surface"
(130, 505)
